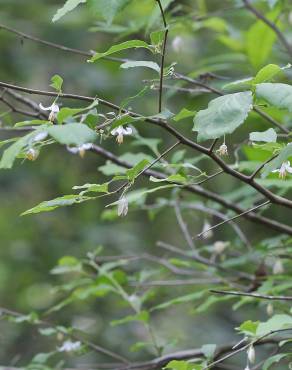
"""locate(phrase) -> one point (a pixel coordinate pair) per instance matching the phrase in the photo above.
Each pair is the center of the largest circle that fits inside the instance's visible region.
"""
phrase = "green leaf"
(268, 136)
(273, 359)
(157, 38)
(139, 196)
(70, 112)
(141, 316)
(94, 188)
(165, 115)
(57, 82)
(209, 350)
(266, 73)
(277, 322)
(72, 134)
(141, 63)
(249, 327)
(223, 115)
(272, 3)
(68, 6)
(177, 178)
(132, 173)
(34, 122)
(277, 162)
(42, 358)
(182, 365)
(132, 44)
(108, 9)
(179, 300)
(184, 113)
(11, 153)
(276, 94)
(260, 40)
(276, 183)
(50, 205)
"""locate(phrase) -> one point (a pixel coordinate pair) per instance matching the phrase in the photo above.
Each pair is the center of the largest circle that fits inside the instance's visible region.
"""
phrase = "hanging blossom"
(81, 149)
(40, 136)
(284, 169)
(120, 132)
(123, 206)
(278, 267)
(220, 246)
(69, 346)
(223, 150)
(251, 354)
(54, 110)
(270, 309)
(206, 233)
(177, 44)
(32, 154)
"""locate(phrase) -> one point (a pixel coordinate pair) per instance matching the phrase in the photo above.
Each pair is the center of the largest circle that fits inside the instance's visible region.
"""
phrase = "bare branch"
(233, 218)
(253, 295)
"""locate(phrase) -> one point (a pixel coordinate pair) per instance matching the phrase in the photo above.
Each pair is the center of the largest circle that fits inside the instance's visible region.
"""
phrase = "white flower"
(223, 150)
(270, 309)
(69, 346)
(206, 233)
(120, 131)
(40, 136)
(177, 44)
(285, 167)
(251, 354)
(81, 149)
(220, 246)
(247, 367)
(54, 110)
(123, 206)
(278, 267)
(32, 154)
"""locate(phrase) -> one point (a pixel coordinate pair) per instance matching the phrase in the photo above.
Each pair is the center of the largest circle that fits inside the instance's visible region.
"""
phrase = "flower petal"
(45, 108)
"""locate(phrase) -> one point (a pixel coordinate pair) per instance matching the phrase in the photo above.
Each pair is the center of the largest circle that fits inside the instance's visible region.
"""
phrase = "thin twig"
(233, 218)
(253, 295)
(162, 57)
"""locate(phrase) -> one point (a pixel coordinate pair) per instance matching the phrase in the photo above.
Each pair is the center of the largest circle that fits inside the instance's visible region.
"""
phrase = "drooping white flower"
(123, 206)
(270, 309)
(278, 267)
(54, 110)
(251, 354)
(206, 233)
(40, 136)
(223, 150)
(284, 169)
(81, 149)
(120, 131)
(177, 44)
(220, 246)
(69, 346)
(32, 154)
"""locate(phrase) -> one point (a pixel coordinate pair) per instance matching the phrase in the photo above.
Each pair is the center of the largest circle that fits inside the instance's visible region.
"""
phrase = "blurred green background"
(214, 37)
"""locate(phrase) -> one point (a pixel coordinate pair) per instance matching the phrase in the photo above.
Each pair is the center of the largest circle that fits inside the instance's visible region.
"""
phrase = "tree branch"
(253, 295)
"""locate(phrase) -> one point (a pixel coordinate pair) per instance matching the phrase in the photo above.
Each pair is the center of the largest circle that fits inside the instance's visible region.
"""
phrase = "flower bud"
(123, 206)
(206, 233)
(32, 154)
(220, 246)
(223, 150)
(177, 44)
(270, 309)
(278, 267)
(251, 354)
